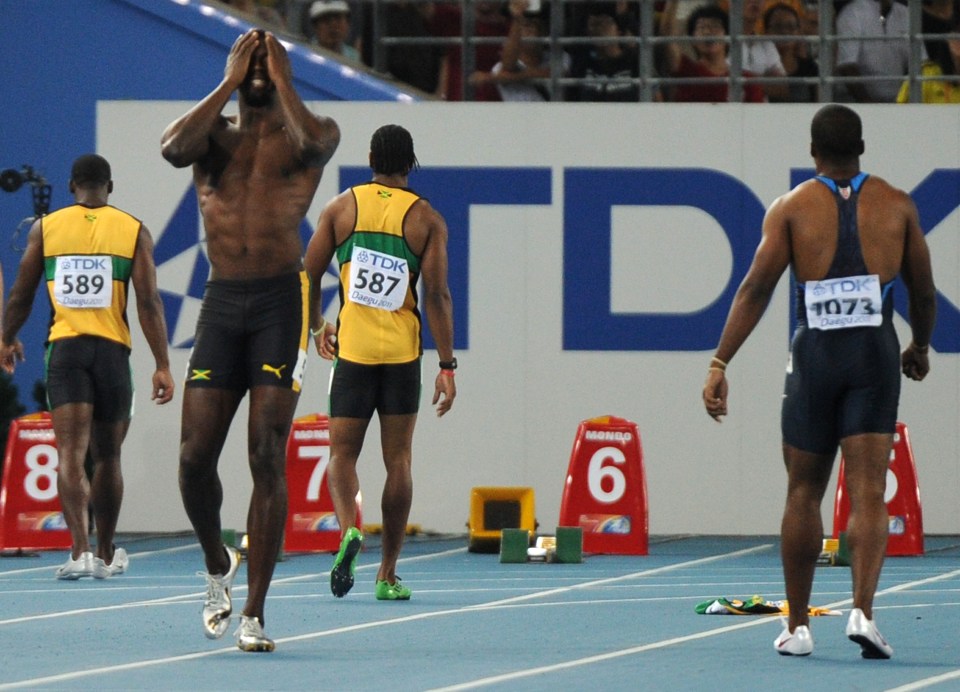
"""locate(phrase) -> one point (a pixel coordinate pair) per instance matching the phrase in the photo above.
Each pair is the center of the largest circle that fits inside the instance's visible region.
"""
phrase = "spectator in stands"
(605, 67)
(330, 21)
(488, 22)
(417, 65)
(522, 61)
(810, 26)
(628, 16)
(933, 89)
(942, 85)
(873, 19)
(782, 19)
(760, 56)
(940, 17)
(710, 25)
(259, 13)
(809, 13)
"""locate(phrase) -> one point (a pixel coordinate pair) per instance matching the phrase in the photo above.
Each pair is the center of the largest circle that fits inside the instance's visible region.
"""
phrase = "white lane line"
(198, 594)
(589, 660)
(927, 682)
(936, 679)
(133, 557)
(516, 675)
(634, 575)
(372, 565)
(136, 665)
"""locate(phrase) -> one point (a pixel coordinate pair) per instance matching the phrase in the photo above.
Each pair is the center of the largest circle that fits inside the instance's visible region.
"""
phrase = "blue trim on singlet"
(856, 182)
(848, 258)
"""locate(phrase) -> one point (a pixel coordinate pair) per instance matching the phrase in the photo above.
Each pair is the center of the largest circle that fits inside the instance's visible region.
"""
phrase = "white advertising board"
(559, 321)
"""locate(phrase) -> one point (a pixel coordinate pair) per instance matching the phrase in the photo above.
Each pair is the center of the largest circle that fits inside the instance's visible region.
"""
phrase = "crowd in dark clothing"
(600, 59)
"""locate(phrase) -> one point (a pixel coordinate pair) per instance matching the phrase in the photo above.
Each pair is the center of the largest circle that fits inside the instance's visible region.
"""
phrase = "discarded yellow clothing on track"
(755, 605)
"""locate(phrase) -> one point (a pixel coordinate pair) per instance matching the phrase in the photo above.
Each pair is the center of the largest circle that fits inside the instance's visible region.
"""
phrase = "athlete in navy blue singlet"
(846, 236)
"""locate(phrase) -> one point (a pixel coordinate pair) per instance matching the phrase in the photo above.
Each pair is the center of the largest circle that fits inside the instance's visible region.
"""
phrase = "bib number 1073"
(843, 303)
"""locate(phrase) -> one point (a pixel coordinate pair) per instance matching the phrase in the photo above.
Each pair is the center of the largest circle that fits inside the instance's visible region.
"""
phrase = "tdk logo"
(858, 285)
(83, 263)
(385, 262)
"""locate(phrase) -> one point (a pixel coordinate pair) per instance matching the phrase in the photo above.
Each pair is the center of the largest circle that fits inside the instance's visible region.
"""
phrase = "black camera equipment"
(12, 180)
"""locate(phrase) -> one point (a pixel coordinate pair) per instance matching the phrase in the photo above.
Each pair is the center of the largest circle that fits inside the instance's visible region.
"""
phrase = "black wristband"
(448, 364)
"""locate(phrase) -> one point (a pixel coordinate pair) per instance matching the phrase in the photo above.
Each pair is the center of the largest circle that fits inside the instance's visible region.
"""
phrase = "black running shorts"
(356, 390)
(251, 333)
(840, 383)
(91, 370)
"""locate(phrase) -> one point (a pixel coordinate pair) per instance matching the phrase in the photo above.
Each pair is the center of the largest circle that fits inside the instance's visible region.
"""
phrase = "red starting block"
(902, 496)
(606, 490)
(30, 512)
(312, 524)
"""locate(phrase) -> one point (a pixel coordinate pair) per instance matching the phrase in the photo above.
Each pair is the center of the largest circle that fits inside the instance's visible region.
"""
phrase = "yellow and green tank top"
(379, 322)
(88, 258)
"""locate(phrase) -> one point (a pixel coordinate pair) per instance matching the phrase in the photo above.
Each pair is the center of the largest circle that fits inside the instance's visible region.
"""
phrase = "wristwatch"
(448, 364)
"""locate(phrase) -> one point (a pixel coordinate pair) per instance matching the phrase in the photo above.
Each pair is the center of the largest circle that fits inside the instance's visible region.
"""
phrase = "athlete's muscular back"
(886, 220)
(253, 193)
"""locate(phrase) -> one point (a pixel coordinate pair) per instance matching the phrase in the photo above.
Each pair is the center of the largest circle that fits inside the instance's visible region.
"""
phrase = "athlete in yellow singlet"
(385, 238)
(88, 253)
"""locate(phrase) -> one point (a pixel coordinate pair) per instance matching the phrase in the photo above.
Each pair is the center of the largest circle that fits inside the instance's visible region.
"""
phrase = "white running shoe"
(865, 633)
(250, 636)
(101, 570)
(74, 569)
(217, 606)
(796, 643)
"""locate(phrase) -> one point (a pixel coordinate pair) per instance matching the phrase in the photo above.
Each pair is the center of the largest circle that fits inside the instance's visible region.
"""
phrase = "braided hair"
(391, 151)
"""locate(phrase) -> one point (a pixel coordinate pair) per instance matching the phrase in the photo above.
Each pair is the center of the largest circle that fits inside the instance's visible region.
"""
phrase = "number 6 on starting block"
(606, 491)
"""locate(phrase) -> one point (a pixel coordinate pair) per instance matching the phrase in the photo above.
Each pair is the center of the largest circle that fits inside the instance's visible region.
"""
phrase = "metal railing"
(645, 43)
